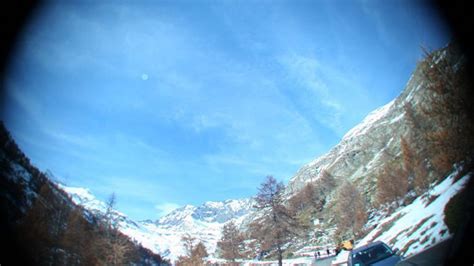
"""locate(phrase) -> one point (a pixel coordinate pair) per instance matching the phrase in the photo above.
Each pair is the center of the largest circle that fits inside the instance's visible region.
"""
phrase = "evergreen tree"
(350, 211)
(195, 253)
(116, 246)
(231, 242)
(275, 227)
(392, 184)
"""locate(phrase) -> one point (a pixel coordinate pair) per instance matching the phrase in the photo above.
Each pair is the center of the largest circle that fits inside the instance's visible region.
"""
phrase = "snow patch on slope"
(84, 198)
(417, 226)
(421, 224)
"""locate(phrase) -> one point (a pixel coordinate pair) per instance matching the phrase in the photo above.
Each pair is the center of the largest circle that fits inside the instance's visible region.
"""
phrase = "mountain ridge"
(163, 236)
(365, 148)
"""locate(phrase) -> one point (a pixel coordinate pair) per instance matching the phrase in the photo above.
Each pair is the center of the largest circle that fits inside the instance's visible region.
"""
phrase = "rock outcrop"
(369, 146)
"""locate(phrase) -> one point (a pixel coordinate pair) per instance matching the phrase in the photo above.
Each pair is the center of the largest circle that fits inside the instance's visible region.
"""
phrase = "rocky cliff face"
(366, 148)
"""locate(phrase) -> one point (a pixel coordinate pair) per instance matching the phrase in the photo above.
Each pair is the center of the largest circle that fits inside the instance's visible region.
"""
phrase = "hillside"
(410, 229)
(397, 175)
(367, 147)
(42, 223)
(411, 142)
(418, 226)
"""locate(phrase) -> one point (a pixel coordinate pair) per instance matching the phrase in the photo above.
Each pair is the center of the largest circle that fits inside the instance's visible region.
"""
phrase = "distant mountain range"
(163, 236)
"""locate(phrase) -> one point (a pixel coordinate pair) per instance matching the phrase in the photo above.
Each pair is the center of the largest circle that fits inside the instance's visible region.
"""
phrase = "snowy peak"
(163, 237)
(177, 216)
(209, 212)
(83, 197)
(222, 212)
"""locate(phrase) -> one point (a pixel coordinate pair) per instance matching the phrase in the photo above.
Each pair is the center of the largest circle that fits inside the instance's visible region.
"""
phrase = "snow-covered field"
(287, 262)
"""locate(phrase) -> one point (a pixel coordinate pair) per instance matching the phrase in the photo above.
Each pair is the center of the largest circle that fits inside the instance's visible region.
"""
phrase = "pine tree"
(350, 211)
(198, 254)
(448, 112)
(407, 157)
(115, 245)
(195, 253)
(77, 236)
(392, 184)
(231, 242)
(188, 244)
(276, 226)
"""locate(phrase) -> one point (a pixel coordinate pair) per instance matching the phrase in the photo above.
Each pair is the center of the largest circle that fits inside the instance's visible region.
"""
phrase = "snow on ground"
(83, 197)
(417, 226)
(286, 262)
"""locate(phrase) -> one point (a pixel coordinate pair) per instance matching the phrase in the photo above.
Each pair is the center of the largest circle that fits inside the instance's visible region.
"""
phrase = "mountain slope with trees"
(400, 150)
(42, 226)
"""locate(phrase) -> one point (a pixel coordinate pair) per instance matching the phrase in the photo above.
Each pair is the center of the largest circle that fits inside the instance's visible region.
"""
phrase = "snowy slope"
(410, 229)
(83, 197)
(415, 227)
(163, 237)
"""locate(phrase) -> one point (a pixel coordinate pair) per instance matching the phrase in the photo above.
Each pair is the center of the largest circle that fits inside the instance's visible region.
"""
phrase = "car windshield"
(371, 255)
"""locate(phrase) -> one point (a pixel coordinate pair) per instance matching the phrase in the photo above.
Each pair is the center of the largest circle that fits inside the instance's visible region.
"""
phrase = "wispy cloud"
(311, 76)
(370, 10)
(84, 142)
(27, 102)
(202, 122)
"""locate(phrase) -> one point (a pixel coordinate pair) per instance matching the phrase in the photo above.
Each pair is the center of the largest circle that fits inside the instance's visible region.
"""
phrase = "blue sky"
(169, 103)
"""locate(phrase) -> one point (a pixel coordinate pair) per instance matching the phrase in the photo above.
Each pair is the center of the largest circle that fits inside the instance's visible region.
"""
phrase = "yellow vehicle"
(346, 245)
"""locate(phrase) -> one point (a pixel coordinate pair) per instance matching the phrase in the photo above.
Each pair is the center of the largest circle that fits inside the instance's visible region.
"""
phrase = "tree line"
(440, 132)
(57, 233)
(283, 219)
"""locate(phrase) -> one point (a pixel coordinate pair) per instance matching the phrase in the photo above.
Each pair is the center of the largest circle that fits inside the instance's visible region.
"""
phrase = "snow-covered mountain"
(365, 149)
(209, 212)
(163, 237)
